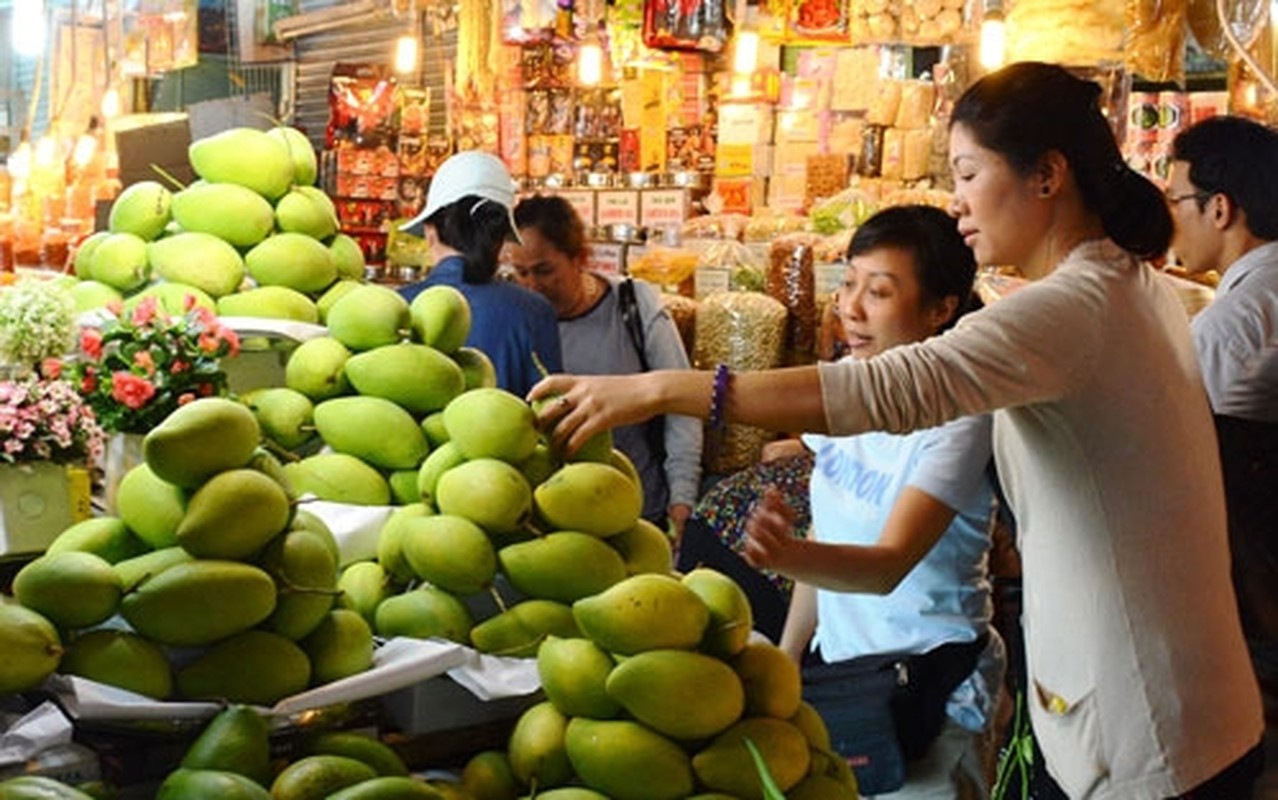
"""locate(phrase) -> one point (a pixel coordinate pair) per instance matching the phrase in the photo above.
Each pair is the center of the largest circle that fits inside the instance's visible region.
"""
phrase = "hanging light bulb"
(745, 53)
(406, 54)
(590, 62)
(28, 29)
(19, 161)
(111, 104)
(993, 47)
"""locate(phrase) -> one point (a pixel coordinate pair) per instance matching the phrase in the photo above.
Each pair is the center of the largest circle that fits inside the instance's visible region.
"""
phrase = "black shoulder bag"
(632, 318)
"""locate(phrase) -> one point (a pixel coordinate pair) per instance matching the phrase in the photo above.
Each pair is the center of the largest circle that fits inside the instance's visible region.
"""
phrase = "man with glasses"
(1223, 194)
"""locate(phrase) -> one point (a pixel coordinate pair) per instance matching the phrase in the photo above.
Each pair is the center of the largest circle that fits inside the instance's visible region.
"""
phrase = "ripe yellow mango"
(564, 566)
(368, 316)
(294, 260)
(71, 589)
(233, 515)
(771, 678)
(201, 439)
(589, 497)
(248, 157)
(269, 302)
(574, 675)
(822, 787)
(197, 259)
(31, 646)
(490, 493)
(731, 618)
(678, 693)
(422, 613)
(416, 377)
(338, 477)
(487, 774)
(119, 658)
(726, 766)
(450, 552)
(233, 213)
(142, 209)
(199, 602)
(256, 667)
(491, 423)
(643, 612)
(644, 548)
(536, 748)
(809, 721)
(518, 631)
(307, 211)
(372, 429)
(627, 761)
(340, 646)
(441, 318)
(317, 368)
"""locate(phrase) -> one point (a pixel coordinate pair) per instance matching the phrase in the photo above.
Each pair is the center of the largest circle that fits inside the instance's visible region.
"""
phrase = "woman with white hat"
(466, 220)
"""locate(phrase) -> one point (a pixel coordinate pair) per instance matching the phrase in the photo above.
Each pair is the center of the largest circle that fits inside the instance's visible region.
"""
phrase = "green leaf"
(770, 789)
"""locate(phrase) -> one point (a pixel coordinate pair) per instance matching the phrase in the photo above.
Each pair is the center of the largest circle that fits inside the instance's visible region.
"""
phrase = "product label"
(662, 207)
(583, 202)
(709, 280)
(617, 208)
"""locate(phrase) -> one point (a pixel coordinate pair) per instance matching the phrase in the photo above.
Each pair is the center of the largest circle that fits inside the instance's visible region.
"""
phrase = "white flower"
(37, 321)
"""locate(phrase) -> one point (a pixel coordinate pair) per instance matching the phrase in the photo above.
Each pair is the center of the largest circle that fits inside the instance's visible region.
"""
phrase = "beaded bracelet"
(719, 396)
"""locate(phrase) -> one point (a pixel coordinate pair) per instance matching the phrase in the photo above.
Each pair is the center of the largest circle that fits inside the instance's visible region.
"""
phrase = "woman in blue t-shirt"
(896, 559)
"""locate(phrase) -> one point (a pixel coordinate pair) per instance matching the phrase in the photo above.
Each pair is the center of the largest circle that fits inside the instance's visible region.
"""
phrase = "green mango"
(450, 552)
(209, 784)
(317, 368)
(199, 602)
(368, 316)
(335, 292)
(491, 423)
(540, 465)
(269, 302)
(83, 257)
(726, 766)
(286, 416)
(348, 256)
(305, 520)
(487, 776)
(477, 367)
(643, 612)
(564, 566)
(363, 585)
(38, 787)
(435, 465)
(441, 318)
(381, 757)
(71, 589)
(244, 156)
(574, 674)
(433, 427)
(403, 486)
(490, 493)
(305, 570)
(423, 613)
(372, 429)
(142, 209)
(340, 478)
(301, 153)
(132, 571)
(119, 658)
(106, 537)
(197, 259)
(536, 749)
(294, 260)
(416, 377)
(120, 262)
(233, 515)
(340, 646)
(172, 297)
(678, 693)
(31, 647)
(569, 793)
(237, 739)
(256, 667)
(91, 295)
(316, 777)
(389, 787)
(731, 618)
(201, 439)
(236, 215)
(518, 631)
(151, 507)
(627, 761)
(307, 211)
(644, 548)
(589, 497)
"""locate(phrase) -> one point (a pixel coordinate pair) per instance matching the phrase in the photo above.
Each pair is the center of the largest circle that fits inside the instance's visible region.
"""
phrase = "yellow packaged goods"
(916, 154)
(1156, 39)
(1076, 32)
(915, 107)
(887, 102)
(892, 165)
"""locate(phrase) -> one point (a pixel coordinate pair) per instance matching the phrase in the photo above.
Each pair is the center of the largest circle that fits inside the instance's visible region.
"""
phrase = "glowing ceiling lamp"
(993, 47)
(406, 55)
(28, 32)
(745, 53)
(590, 62)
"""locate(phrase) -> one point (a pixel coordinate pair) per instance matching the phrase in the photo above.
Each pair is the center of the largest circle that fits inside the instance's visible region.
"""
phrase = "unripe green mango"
(490, 493)
(477, 367)
(433, 427)
(726, 766)
(627, 761)
(90, 295)
(368, 316)
(151, 507)
(233, 515)
(83, 257)
(293, 260)
(643, 612)
(305, 520)
(201, 439)
(300, 151)
(314, 777)
(305, 570)
(372, 429)
(450, 552)
(382, 758)
(731, 618)
(403, 486)
(286, 416)
(348, 256)
(678, 693)
(564, 566)
(416, 377)
(200, 602)
(363, 586)
(237, 740)
(589, 497)
(265, 462)
(539, 465)
(119, 658)
(335, 292)
(340, 646)
(106, 537)
(172, 297)
(423, 613)
(197, 259)
(307, 211)
(644, 548)
(269, 302)
(390, 540)
(142, 209)
(440, 460)
(132, 571)
(518, 631)
(487, 776)
(209, 784)
(441, 318)
(340, 478)
(317, 368)
(389, 787)
(254, 666)
(31, 647)
(536, 749)
(120, 262)
(238, 216)
(71, 589)
(491, 423)
(39, 787)
(569, 793)
(574, 674)
(248, 157)
(771, 679)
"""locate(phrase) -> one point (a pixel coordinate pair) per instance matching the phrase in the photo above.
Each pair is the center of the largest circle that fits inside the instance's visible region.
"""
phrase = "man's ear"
(1224, 212)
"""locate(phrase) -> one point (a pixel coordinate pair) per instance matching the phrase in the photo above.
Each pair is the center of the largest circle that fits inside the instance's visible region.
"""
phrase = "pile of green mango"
(210, 558)
(253, 237)
(654, 697)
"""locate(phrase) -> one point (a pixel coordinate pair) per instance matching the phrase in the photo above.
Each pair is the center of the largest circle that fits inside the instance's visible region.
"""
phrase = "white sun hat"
(466, 174)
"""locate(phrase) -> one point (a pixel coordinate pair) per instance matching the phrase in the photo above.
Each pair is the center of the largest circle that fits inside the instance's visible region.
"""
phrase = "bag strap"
(633, 319)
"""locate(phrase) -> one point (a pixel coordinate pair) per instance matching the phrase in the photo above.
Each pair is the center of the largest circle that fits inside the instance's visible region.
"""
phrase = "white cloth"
(1141, 686)
(1237, 338)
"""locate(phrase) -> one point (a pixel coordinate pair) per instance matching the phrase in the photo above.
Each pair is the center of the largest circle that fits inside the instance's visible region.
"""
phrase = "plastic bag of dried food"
(715, 226)
(1155, 45)
(791, 280)
(683, 310)
(744, 330)
(842, 211)
(745, 271)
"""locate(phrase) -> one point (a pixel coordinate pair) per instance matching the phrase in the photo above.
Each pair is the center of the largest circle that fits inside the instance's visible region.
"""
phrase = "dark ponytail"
(476, 228)
(1028, 109)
